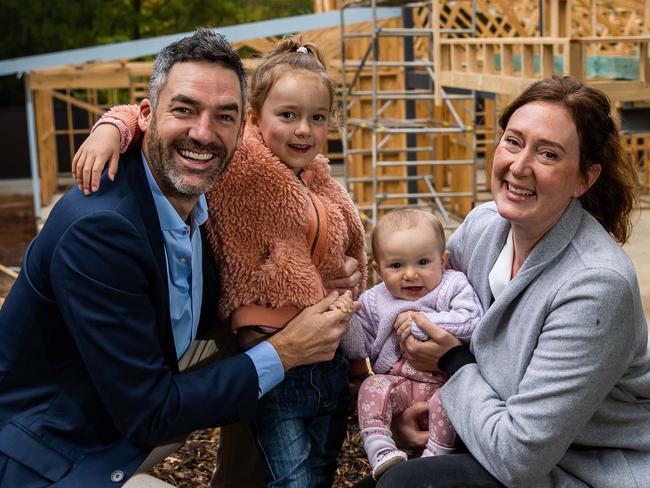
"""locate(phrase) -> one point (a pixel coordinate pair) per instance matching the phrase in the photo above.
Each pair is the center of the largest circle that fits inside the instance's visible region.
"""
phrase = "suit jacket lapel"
(211, 285)
(140, 187)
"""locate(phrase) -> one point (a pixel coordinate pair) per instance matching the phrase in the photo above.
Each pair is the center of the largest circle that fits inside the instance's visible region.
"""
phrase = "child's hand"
(102, 146)
(403, 323)
(344, 303)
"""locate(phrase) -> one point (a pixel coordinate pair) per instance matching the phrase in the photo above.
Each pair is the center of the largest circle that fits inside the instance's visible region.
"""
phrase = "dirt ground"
(17, 228)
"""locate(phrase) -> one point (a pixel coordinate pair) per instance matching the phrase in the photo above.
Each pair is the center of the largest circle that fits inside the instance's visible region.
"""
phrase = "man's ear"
(146, 114)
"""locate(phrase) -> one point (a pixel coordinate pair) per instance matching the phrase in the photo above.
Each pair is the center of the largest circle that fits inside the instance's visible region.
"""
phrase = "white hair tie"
(302, 49)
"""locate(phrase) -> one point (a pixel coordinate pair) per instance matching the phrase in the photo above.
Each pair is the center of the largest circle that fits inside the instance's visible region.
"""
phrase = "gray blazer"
(560, 393)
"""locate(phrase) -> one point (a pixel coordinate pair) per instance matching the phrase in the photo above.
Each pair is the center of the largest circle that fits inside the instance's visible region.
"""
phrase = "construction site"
(420, 87)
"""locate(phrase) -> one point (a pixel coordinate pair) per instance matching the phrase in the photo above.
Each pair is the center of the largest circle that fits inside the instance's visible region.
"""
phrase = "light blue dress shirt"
(184, 254)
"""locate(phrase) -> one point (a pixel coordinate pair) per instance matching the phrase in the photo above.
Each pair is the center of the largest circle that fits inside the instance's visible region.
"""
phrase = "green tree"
(41, 26)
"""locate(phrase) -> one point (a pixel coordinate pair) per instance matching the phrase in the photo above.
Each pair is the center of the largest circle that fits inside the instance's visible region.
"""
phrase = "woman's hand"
(102, 146)
(424, 355)
(408, 429)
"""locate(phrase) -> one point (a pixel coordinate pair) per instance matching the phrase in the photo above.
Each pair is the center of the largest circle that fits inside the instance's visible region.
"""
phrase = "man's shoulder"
(119, 197)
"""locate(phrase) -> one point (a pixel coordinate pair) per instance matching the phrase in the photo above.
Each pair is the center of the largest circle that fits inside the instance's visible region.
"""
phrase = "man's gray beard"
(162, 160)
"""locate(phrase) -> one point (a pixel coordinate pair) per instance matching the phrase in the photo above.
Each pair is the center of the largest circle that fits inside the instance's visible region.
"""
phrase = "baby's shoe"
(434, 449)
(381, 449)
(387, 459)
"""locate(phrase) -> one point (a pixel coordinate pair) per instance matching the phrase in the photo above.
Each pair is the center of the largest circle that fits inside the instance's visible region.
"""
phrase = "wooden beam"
(574, 62)
(46, 142)
(8, 271)
(624, 91)
(471, 56)
(527, 61)
(546, 61)
(644, 73)
(489, 64)
(506, 59)
(496, 83)
(88, 107)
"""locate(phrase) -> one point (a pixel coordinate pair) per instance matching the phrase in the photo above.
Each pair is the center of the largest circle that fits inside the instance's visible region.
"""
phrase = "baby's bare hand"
(344, 303)
(403, 323)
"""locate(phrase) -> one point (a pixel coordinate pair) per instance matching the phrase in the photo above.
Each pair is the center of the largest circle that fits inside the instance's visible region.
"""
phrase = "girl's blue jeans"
(301, 425)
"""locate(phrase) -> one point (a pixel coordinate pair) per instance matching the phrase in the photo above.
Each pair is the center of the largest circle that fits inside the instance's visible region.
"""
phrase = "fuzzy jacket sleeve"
(125, 118)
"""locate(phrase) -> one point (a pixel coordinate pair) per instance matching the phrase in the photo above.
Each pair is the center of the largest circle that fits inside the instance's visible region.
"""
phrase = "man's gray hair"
(204, 45)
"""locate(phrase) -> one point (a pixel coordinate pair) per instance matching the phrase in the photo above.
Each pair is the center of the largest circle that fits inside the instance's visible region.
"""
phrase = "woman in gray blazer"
(554, 390)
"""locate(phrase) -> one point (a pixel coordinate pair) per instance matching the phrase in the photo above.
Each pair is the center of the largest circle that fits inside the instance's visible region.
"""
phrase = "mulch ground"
(192, 465)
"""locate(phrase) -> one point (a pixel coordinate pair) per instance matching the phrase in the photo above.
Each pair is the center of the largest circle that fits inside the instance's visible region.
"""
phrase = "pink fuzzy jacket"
(453, 305)
(259, 221)
(259, 229)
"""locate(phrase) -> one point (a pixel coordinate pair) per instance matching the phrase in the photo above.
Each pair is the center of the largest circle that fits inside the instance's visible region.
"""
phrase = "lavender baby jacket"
(453, 305)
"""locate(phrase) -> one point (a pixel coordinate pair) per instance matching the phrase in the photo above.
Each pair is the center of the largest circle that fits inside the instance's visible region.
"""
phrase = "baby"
(409, 253)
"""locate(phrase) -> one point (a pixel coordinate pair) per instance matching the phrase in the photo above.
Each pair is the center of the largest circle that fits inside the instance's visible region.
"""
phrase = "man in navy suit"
(113, 293)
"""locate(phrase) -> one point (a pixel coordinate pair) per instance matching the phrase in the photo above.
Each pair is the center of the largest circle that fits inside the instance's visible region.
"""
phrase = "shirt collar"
(167, 214)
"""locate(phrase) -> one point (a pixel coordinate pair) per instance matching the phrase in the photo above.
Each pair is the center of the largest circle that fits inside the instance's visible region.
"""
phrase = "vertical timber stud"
(644, 73)
(574, 59)
(46, 143)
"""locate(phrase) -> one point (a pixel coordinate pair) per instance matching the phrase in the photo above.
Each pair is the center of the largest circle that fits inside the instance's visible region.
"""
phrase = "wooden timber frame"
(484, 47)
(95, 87)
(92, 88)
(493, 48)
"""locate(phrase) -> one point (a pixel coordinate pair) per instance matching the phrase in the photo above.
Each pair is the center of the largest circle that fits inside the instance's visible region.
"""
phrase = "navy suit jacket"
(89, 380)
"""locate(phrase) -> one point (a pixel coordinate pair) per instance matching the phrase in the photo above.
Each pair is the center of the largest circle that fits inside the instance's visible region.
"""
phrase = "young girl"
(280, 226)
(409, 255)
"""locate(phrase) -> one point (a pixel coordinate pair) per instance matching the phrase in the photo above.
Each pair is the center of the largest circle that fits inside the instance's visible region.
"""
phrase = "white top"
(501, 273)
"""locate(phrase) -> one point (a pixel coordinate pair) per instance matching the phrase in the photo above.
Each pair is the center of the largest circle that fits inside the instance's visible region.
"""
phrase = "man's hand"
(314, 335)
(347, 278)
(424, 355)
(407, 428)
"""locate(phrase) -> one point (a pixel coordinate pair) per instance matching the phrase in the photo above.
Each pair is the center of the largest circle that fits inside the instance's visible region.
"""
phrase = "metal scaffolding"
(407, 141)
